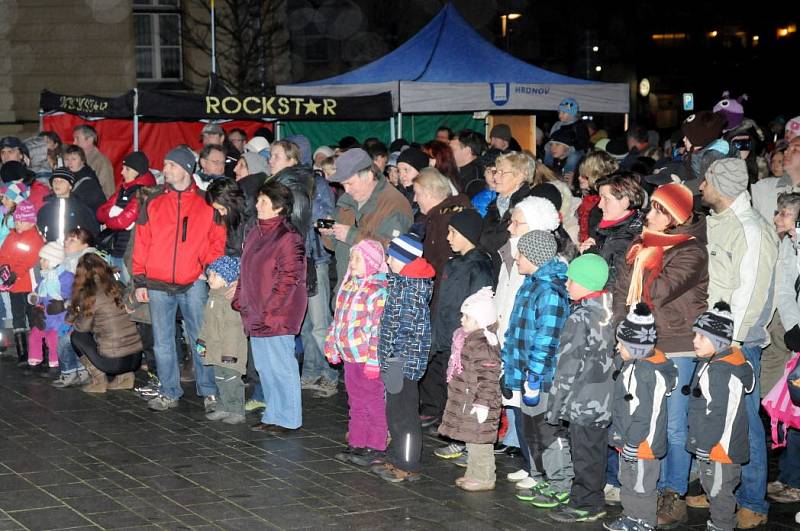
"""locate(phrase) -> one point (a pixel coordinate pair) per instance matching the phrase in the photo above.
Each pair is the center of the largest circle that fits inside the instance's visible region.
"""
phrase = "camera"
(742, 144)
(324, 223)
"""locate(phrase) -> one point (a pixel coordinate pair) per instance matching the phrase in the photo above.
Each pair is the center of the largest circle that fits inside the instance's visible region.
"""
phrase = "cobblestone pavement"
(69, 460)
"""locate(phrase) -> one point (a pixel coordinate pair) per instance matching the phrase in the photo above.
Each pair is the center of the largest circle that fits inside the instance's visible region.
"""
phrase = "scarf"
(454, 367)
(648, 254)
(604, 224)
(50, 286)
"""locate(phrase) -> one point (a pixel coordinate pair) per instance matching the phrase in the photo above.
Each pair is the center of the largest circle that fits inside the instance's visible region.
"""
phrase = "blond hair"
(520, 163)
(596, 165)
(432, 180)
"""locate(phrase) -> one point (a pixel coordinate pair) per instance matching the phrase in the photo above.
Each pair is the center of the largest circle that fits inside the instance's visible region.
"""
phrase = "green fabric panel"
(422, 127)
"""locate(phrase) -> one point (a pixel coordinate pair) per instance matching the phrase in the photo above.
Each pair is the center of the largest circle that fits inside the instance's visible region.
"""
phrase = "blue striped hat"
(406, 248)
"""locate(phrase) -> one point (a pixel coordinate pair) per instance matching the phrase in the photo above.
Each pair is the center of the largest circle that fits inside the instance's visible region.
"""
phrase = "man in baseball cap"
(12, 148)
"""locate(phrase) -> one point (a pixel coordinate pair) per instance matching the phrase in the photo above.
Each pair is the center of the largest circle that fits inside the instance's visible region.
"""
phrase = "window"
(157, 25)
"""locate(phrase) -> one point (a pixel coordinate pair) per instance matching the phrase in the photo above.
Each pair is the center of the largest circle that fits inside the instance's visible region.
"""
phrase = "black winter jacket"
(300, 180)
(87, 189)
(494, 233)
(612, 243)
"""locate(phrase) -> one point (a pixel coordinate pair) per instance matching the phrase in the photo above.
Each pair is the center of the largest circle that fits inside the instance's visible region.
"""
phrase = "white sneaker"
(612, 494)
(525, 484)
(519, 475)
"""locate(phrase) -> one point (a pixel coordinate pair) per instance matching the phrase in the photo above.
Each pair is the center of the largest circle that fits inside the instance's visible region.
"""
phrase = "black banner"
(89, 106)
(196, 107)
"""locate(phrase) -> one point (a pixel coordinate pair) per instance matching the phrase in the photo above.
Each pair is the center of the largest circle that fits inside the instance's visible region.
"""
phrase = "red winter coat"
(21, 252)
(271, 293)
(176, 238)
(130, 212)
(38, 193)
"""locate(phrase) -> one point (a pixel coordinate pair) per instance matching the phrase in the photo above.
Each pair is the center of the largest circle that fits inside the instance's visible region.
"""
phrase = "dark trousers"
(402, 416)
(85, 345)
(20, 311)
(148, 354)
(433, 386)
(589, 456)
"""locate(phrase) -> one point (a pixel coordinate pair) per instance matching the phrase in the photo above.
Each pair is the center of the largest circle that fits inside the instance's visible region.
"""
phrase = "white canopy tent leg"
(399, 125)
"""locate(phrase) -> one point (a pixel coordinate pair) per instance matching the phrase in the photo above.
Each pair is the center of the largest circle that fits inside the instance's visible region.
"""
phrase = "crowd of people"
(610, 310)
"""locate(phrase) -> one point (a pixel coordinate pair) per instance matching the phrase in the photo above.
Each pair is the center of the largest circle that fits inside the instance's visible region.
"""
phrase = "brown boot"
(98, 382)
(672, 511)
(747, 519)
(121, 381)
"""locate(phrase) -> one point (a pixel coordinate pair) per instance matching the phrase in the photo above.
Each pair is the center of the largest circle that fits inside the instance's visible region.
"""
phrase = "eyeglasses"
(514, 223)
(503, 172)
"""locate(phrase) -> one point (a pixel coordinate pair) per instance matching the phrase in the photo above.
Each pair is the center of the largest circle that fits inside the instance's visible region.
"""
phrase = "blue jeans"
(119, 263)
(752, 490)
(523, 446)
(67, 359)
(612, 468)
(676, 464)
(280, 380)
(789, 461)
(163, 309)
(511, 438)
(315, 328)
(258, 393)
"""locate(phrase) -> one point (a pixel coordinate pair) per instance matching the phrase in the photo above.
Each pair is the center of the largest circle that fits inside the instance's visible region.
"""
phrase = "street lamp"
(505, 30)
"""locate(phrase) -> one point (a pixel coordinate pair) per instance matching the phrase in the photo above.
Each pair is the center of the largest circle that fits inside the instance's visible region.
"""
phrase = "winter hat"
(13, 170)
(717, 325)
(728, 176)
(226, 267)
(676, 199)
(183, 156)
(405, 248)
(393, 156)
(210, 129)
(350, 163)
(414, 158)
(15, 191)
(564, 136)
(703, 127)
(323, 150)
(374, 256)
(137, 161)
(25, 211)
(501, 131)
(257, 144)
(793, 125)
(638, 331)
(550, 192)
(255, 163)
(468, 223)
(590, 271)
(53, 252)
(538, 246)
(617, 148)
(62, 173)
(398, 145)
(481, 307)
(569, 106)
(302, 142)
(539, 213)
(731, 109)
(348, 142)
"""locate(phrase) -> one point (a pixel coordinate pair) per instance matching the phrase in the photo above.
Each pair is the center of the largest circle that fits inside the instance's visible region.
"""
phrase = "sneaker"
(747, 519)
(254, 405)
(217, 415)
(549, 499)
(326, 389)
(530, 493)
(519, 475)
(711, 527)
(66, 380)
(451, 451)
(83, 377)
(367, 458)
(672, 511)
(162, 403)
(500, 448)
(626, 523)
(310, 383)
(698, 502)
(426, 421)
(392, 474)
(234, 418)
(611, 494)
(569, 515)
(774, 487)
(474, 485)
(527, 483)
(210, 403)
(461, 461)
(787, 495)
(346, 455)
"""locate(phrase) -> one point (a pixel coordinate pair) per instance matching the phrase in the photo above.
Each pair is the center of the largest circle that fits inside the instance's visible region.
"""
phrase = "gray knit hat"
(728, 176)
(538, 246)
(183, 157)
(638, 331)
(717, 325)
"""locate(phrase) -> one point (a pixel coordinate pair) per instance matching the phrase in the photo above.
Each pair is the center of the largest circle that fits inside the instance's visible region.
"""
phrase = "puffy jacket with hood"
(300, 180)
(494, 232)
(176, 238)
(127, 211)
(20, 251)
(115, 333)
(718, 417)
(612, 242)
(87, 189)
(76, 215)
(225, 342)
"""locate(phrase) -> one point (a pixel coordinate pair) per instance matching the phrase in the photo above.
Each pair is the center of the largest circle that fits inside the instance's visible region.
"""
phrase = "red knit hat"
(676, 199)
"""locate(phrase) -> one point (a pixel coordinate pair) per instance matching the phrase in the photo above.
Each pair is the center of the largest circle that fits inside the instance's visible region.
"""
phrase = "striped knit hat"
(676, 199)
(405, 248)
(638, 331)
(15, 192)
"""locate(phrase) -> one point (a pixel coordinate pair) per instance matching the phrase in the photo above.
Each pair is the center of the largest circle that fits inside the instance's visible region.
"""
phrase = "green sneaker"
(549, 498)
(529, 494)
(568, 515)
(253, 405)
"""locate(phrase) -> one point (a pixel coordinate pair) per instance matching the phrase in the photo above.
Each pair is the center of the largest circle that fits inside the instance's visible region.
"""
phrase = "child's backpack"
(783, 411)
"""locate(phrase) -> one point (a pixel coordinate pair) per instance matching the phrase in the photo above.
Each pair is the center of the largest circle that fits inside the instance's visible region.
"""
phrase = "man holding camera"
(766, 191)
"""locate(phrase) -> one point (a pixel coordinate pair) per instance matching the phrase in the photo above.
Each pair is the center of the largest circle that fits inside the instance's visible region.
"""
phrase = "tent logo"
(499, 93)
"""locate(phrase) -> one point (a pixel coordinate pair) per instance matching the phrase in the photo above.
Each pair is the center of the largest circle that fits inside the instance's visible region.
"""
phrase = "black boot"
(21, 344)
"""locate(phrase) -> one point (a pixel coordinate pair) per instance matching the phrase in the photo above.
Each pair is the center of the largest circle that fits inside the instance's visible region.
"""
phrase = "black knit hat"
(63, 173)
(564, 135)
(137, 161)
(717, 325)
(468, 223)
(638, 331)
(14, 170)
(550, 192)
(414, 158)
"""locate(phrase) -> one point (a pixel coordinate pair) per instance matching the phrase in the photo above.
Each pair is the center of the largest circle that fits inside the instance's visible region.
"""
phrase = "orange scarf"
(648, 254)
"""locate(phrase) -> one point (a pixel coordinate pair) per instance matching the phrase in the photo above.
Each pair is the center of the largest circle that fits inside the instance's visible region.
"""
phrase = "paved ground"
(72, 460)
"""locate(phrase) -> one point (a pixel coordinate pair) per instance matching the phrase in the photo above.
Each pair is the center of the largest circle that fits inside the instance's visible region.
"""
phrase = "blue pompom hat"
(226, 267)
(569, 106)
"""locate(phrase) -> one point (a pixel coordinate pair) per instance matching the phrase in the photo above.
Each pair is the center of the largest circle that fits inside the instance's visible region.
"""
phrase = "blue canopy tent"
(449, 67)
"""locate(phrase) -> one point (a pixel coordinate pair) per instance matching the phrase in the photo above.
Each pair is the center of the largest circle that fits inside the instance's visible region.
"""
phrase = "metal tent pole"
(136, 119)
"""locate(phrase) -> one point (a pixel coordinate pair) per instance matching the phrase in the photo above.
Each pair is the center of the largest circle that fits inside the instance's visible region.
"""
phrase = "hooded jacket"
(271, 292)
(225, 343)
(126, 211)
(20, 251)
(679, 292)
(494, 233)
(300, 180)
(718, 417)
(76, 215)
(641, 422)
(462, 276)
(87, 189)
(435, 247)
(116, 335)
(583, 390)
(406, 322)
(612, 243)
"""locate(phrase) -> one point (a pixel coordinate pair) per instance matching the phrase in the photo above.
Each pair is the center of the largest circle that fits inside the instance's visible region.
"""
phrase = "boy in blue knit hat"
(222, 342)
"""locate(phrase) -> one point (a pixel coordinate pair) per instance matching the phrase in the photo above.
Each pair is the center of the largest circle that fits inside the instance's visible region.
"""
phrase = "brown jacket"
(436, 249)
(477, 384)
(116, 335)
(222, 334)
(679, 293)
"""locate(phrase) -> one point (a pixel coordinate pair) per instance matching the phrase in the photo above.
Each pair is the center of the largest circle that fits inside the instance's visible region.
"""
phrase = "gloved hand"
(531, 396)
(371, 371)
(515, 400)
(702, 455)
(7, 277)
(630, 453)
(55, 307)
(200, 348)
(33, 299)
(792, 338)
(333, 357)
(482, 412)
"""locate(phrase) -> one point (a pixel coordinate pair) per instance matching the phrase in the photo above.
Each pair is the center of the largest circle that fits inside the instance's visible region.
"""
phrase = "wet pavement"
(70, 460)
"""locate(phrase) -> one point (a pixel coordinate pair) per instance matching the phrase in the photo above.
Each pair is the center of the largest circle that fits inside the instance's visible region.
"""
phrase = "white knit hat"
(53, 252)
(481, 307)
(539, 214)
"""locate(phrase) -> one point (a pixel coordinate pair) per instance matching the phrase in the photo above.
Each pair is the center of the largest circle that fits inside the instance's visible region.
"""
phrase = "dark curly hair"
(92, 275)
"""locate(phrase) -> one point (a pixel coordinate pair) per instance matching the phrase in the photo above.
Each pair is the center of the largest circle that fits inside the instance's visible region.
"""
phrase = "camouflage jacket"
(582, 389)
